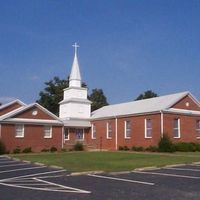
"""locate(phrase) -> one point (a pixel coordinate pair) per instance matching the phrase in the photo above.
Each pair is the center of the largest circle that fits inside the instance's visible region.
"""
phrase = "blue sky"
(126, 46)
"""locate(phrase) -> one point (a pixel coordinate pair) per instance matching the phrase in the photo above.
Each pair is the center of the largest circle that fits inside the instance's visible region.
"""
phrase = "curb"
(26, 161)
(55, 167)
(146, 168)
(197, 163)
(86, 173)
(39, 164)
(119, 173)
(175, 165)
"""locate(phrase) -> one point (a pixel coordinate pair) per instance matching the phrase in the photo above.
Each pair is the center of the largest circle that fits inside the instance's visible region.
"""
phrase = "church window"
(198, 128)
(109, 130)
(148, 128)
(127, 129)
(66, 133)
(93, 131)
(176, 128)
(47, 132)
(19, 130)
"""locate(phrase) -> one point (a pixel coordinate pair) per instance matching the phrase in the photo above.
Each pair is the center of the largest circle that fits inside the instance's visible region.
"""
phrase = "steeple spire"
(75, 77)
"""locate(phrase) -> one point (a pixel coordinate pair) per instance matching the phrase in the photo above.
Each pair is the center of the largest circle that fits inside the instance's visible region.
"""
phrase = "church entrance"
(79, 134)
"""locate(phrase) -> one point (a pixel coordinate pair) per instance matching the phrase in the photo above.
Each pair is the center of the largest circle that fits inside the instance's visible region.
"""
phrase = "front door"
(80, 134)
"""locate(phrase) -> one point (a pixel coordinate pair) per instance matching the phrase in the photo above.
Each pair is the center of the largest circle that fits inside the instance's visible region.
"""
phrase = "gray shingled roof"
(140, 106)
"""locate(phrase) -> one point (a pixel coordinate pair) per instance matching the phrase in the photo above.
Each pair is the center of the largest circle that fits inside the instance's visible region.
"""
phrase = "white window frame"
(80, 139)
(178, 128)
(49, 131)
(67, 133)
(108, 130)
(19, 126)
(198, 129)
(94, 131)
(126, 129)
(147, 128)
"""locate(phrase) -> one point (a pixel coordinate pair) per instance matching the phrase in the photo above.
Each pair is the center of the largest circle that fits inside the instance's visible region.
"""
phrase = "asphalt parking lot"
(21, 180)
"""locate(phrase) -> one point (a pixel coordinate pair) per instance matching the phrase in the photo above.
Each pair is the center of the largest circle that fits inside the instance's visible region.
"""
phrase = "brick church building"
(136, 123)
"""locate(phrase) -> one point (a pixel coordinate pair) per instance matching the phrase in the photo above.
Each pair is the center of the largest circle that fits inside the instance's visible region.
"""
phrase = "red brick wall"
(187, 127)
(182, 104)
(33, 137)
(9, 108)
(28, 114)
(137, 132)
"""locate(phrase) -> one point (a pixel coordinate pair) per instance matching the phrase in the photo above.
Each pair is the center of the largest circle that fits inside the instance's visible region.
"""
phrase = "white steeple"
(75, 105)
(75, 77)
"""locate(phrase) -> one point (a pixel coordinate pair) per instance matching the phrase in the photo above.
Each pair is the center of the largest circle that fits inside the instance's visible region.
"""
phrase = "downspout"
(161, 123)
(0, 131)
(62, 145)
(116, 134)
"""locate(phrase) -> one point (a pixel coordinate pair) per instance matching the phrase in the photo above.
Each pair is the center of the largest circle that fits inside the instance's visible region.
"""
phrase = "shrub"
(152, 148)
(63, 150)
(45, 150)
(27, 150)
(78, 146)
(166, 145)
(53, 149)
(17, 150)
(126, 148)
(2, 148)
(197, 145)
(137, 148)
(187, 147)
(120, 148)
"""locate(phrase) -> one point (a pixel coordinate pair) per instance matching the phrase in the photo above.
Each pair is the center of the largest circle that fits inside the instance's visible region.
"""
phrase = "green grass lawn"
(108, 161)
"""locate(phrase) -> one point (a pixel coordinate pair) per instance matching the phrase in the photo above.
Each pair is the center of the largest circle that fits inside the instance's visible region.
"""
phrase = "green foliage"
(120, 148)
(78, 146)
(147, 95)
(2, 148)
(53, 94)
(17, 150)
(187, 147)
(134, 148)
(98, 99)
(53, 149)
(152, 148)
(45, 150)
(27, 150)
(166, 145)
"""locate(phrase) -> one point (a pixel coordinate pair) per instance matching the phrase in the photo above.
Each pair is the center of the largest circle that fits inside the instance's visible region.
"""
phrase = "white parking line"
(12, 165)
(21, 169)
(32, 175)
(121, 179)
(8, 161)
(64, 187)
(166, 174)
(182, 169)
(32, 182)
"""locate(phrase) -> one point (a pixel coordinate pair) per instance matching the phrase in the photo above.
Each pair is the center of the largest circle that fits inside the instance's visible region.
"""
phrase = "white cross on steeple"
(75, 76)
(76, 46)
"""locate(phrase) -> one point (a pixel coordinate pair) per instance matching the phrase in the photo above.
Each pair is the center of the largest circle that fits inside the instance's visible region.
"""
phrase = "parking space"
(22, 180)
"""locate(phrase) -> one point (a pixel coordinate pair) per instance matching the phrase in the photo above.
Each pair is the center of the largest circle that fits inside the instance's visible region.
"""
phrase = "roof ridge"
(12, 102)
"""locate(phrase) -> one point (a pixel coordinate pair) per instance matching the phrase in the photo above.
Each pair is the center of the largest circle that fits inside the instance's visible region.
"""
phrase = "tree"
(147, 95)
(0, 103)
(53, 94)
(98, 99)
